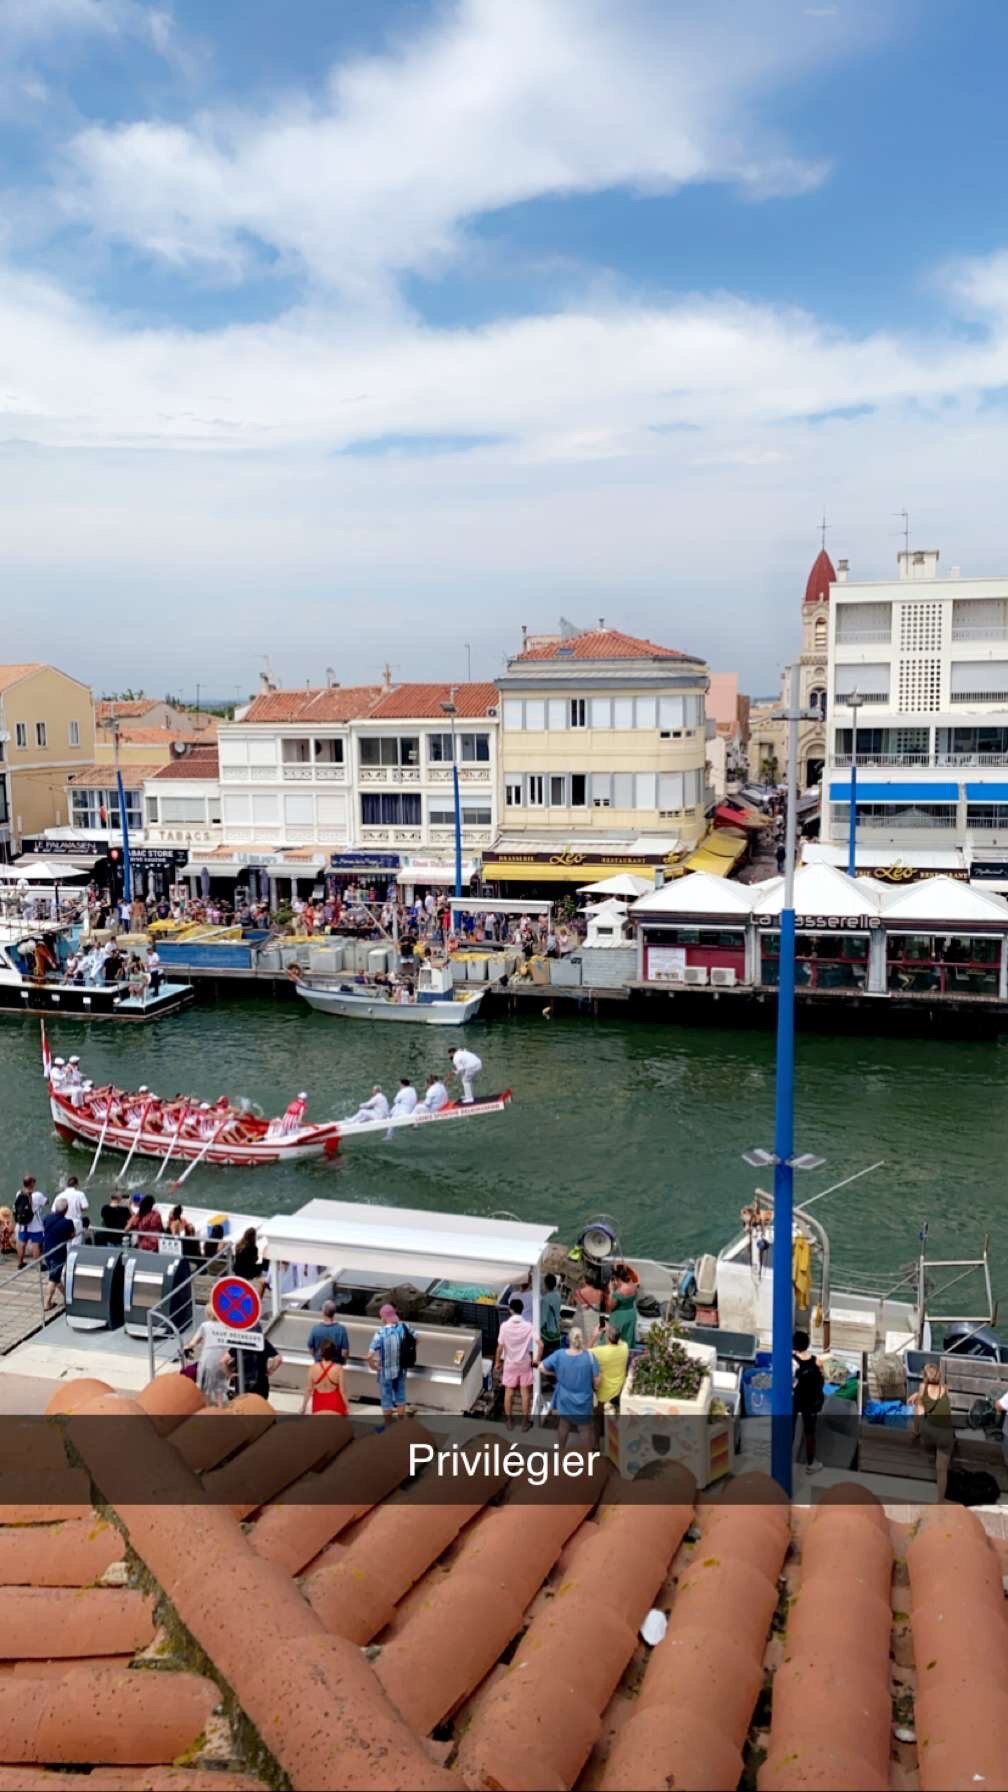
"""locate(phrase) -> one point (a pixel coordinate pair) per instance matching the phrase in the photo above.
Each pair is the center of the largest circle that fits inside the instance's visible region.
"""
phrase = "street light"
(451, 710)
(854, 702)
(759, 1159)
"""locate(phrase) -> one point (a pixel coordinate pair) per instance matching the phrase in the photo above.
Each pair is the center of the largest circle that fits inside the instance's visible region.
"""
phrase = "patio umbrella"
(622, 883)
(204, 878)
(43, 871)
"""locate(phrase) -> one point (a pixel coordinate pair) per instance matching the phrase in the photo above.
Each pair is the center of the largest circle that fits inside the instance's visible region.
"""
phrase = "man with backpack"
(29, 1205)
(809, 1396)
(392, 1354)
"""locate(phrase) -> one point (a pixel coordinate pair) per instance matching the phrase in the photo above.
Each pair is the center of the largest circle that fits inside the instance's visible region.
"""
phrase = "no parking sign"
(235, 1303)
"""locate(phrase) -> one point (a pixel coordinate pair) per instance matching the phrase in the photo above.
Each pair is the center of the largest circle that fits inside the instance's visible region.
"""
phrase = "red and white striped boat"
(143, 1126)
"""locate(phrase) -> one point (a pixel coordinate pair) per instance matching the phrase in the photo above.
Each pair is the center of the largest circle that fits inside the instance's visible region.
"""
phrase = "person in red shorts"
(515, 1342)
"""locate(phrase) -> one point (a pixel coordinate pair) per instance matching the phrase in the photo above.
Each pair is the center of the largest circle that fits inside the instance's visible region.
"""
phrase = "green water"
(645, 1122)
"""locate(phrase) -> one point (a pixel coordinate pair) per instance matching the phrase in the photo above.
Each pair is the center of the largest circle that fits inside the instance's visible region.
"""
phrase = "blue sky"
(345, 331)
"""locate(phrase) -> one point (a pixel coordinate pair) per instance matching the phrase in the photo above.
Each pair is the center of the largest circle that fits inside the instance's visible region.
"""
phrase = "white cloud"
(496, 104)
(30, 23)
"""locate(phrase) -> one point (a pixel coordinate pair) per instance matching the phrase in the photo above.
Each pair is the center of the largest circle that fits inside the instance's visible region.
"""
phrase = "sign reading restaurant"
(589, 856)
(902, 873)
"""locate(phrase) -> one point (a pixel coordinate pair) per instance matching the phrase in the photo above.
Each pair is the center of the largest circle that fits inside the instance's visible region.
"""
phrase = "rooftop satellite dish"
(180, 748)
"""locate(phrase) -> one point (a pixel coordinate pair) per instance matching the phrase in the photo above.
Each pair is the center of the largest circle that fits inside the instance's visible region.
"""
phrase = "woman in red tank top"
(324, 1387)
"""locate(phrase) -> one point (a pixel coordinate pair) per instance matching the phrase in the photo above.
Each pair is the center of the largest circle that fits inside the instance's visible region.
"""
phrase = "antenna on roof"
(387, 675)
(569, 629)
(823, 527)
(905, 514)
(330, 674)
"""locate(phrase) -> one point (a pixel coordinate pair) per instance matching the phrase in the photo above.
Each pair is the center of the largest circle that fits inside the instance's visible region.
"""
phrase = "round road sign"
(235, 1303)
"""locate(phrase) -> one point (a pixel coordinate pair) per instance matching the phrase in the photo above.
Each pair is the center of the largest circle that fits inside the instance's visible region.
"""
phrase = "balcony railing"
(978, 696)
(885, 824)
(468, 774)
(864, 637)
(309, 774)
(974, 822)
(862, 696)
(929, 761)
(977, 632)
(392, 836)
(389, 774)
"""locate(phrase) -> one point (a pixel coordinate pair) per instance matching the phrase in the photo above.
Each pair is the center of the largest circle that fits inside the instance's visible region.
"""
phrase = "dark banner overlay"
(63, 1467)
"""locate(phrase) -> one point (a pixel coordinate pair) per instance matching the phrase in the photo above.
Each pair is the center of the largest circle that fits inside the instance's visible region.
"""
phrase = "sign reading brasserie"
(575, 859)
(825, 923)
(901, 873)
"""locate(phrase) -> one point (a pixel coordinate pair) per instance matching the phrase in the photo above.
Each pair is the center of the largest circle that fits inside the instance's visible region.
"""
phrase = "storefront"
(694, 930)
(418, 875)
(539, 867)
(831, 951)
(155, 869)
(946, 938)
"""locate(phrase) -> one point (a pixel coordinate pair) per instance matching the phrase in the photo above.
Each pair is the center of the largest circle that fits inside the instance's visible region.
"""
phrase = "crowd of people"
(35, 1231)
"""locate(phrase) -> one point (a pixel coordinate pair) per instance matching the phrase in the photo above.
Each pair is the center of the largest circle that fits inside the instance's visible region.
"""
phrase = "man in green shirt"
(549, 1316)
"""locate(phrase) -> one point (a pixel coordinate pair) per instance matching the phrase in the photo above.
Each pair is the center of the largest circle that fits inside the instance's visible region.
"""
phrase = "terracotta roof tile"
(103, 777)
(112, 1715)
(108, 709)
(602, 644)
(960, 1640)
(294, 1531)
(43, 1622)
(129, 1779)
(418, 702)
(332, 703)
(199, 762)
(821, 577)
(73, 1554)
(11, 674)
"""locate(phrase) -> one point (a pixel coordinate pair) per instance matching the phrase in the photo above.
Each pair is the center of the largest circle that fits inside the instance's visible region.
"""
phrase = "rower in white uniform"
(375, 1109)
(435, 1095)
(406, 1098)
(57, 1074)
(467, 1067)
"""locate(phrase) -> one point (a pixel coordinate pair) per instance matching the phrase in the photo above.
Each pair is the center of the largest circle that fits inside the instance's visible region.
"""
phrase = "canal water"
(644, 1122)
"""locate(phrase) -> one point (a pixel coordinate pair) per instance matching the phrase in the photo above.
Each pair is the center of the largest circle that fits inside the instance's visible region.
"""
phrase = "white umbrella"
(43, 871)
(623, 883)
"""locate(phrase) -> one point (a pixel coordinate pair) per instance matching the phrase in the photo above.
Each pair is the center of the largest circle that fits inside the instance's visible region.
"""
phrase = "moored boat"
(34, 980)
(435, 1002)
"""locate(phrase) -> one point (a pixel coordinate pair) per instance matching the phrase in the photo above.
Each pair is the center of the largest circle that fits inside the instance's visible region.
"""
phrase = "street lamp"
(854, 702)
(451, 710)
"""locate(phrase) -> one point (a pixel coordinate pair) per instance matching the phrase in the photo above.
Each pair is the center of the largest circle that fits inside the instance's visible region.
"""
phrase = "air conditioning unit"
(696, 973)
(676, 975)
(723, 977)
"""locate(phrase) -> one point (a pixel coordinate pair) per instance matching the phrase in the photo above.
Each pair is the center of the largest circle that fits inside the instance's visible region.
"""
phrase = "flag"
(46, 1053)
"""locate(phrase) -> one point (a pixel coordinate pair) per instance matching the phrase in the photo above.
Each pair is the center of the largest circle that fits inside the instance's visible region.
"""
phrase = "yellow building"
(46, 734)
(603, 757)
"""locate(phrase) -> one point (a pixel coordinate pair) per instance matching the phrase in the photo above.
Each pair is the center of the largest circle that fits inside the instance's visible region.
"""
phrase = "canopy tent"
(733, 814)
(698, 893)
(501, 905)
(623, 884)
(944, 901)
(432, 871)
(42, 871)
(821, 890)
(406, 1244)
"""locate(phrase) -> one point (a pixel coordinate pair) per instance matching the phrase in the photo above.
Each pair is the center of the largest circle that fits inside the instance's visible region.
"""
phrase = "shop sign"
(81, 846)
(988, 869)
(146, 857)
(901, 873)
(365, 861)
(589, 856)
(825, 923)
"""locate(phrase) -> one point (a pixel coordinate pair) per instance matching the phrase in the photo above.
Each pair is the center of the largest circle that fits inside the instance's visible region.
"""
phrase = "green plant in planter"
(666, 1371)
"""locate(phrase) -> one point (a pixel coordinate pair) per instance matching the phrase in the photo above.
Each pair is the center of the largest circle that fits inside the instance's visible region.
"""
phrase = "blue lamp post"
(451, 711)
(854, 702)
(123, 823)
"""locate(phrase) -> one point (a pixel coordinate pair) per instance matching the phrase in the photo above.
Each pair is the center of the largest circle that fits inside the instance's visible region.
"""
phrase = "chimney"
(524, 631)
(601, 622)
(919, 563)
(841, 572)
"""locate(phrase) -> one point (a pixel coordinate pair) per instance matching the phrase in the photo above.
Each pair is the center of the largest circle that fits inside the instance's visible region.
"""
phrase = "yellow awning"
(543, 872)
(717, 853)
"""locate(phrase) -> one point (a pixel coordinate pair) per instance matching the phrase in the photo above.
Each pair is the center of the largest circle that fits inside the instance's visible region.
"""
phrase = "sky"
(356, 332)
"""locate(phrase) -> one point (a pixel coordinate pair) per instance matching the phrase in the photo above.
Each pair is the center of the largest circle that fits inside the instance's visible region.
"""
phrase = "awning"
(406, 1245)
(431, 871)
(987, 793)
(895, 793)
(741, 815)
(718, 853)
(496, 872)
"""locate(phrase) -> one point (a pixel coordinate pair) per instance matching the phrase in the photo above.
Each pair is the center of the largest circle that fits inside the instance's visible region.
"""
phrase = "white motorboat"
(434, 1003)
(34, 980)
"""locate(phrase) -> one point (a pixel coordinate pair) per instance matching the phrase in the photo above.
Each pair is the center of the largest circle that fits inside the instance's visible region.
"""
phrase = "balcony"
(468, 774)
(391, 836)
(864, 697)
(921, 761)
(976, 631)
(311, 774)
(865, 637)
(470, 836)
(389, 774)
(978, 697)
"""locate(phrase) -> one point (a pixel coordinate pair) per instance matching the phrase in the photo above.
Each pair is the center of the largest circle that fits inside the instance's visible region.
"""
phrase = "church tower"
(815, 636)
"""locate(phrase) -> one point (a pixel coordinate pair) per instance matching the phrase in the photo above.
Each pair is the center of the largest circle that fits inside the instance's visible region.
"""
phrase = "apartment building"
(925, 658)
(404, 792)
(603, 755)
(46, 734)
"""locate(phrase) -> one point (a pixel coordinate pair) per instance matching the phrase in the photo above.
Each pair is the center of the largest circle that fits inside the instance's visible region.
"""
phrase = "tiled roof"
(108, 709)
(334, 703)
(10, 674)
(199, 762)
(602, 644)
(416, 702)
(103, 777)
(822, 576)
(318, 1619)
(157, 737)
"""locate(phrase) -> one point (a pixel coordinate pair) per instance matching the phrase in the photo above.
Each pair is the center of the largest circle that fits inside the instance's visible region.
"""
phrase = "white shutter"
(512, 713)
(671, 712)
(983, 678)
(623, 790)
(670, 790)
(601, 712)
(622, 712)
(645, 790)
(557, 711)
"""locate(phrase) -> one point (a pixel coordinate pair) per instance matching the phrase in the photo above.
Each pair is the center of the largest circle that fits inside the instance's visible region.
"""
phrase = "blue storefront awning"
(895, 793)
(987, 793)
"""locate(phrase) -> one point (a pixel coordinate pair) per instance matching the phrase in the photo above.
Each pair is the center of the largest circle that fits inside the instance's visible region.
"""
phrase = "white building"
(928, 657)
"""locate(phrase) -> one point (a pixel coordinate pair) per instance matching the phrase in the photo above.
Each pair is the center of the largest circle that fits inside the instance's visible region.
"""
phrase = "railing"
(389, 774)
(864, 637)
(468, 774)
(885, 824)
(393, 835)
(161, 1328)
(863, 696)
(34, 1267)
(976, 632)
(931, 761)
(975, 822)
(978, 696)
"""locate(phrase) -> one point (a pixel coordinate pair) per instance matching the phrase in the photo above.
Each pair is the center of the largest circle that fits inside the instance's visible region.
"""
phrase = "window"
(73, 734)
(439, 749)
(20, 734)
(820, 631)
(214, 809)
(391, 809)
(601, 790)
(647, 712)
(670, 790)
(4, 809)
(535, 715)
(556, 714)
(441, 818)
(671, 712)
(535, 790)
(99, 809)
(176, 809)
(295, 752)
(40, 734)
(871, 681)
(645, 787)
(390, 749)
(623, 790)
(601, 712)
(978, 681)
(558, 791)
(817, 702)
(578, 712)
(622, 712)
(512, 793)
(474, 816)
(329, 752)
(152, 811)
(475, 749)
(578, 790)
(513, 713)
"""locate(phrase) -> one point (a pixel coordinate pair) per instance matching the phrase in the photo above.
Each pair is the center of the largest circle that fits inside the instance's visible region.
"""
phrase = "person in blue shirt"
(384, 1358)
(576, 1374)
(329, 1330)
(57, 1231)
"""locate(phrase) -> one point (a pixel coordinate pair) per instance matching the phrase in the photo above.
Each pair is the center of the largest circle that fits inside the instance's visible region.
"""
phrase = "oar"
(120, 1179)
(171, 1147)
(101, 1141)
(212, 1140)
